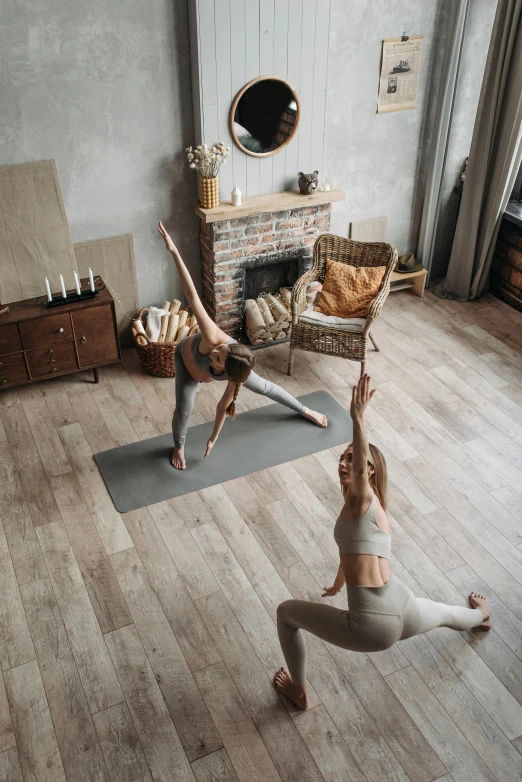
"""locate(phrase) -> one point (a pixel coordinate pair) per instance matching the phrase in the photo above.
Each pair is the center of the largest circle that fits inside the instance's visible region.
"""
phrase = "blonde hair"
(238, 365)
(379, 479)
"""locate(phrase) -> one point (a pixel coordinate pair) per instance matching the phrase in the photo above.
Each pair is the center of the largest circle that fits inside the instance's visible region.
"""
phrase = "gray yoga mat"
(141, 474)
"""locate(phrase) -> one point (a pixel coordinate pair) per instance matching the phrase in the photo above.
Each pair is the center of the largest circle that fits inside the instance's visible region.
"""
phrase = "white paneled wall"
(235, 41)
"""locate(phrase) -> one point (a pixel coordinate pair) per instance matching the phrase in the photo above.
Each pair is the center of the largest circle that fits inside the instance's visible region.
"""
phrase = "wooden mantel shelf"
(271, 202)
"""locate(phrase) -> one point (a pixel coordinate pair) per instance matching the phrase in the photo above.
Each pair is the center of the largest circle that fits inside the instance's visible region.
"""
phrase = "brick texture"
(227, 246)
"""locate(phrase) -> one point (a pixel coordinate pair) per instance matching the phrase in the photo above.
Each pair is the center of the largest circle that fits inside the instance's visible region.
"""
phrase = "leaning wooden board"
(113, 260)
(34, 234)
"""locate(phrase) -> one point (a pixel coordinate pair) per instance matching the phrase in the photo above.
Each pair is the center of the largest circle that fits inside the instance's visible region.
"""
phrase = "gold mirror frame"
(233, 111)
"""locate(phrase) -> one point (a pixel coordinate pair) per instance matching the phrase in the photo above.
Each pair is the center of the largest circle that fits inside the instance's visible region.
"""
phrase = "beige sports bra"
(362, 535)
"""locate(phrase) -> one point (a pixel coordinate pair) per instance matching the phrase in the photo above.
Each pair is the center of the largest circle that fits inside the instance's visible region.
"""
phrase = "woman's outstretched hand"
(210, 445)
(171, 247)
(330, 591)
(361, 395)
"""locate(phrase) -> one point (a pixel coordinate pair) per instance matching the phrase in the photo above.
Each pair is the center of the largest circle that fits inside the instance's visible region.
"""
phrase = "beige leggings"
(377, 618)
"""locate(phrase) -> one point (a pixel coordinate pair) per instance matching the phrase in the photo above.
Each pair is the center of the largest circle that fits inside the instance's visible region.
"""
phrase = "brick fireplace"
(280, 239)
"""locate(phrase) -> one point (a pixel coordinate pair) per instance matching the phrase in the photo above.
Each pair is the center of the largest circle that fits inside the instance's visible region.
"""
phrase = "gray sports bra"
(203, 360)
(362, 535)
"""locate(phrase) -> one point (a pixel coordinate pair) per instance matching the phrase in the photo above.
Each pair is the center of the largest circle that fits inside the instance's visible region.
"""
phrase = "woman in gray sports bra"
(213, 355)
(381, 609)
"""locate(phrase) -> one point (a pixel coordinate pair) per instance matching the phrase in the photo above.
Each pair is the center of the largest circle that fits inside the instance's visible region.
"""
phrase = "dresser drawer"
(12, 369)
(52, 360)
(46, 331)
(9, 339)
(95, 336)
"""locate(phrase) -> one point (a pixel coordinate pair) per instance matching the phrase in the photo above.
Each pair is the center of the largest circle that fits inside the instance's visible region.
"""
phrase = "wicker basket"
(157, 357)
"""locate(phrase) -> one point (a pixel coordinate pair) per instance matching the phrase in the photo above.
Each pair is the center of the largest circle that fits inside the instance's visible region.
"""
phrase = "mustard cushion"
(349, 291)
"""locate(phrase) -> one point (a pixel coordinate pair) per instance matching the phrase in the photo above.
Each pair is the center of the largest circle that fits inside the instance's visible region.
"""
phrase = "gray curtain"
(494, 159)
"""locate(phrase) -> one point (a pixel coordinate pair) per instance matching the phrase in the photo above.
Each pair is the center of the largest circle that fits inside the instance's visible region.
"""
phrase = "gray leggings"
(186, 391)
(377, 618)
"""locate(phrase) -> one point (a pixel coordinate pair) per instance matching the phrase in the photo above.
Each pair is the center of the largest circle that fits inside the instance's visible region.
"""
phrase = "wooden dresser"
(39, 342)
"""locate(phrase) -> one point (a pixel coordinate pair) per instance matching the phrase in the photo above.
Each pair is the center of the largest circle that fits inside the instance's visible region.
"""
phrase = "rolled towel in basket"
(154, 317)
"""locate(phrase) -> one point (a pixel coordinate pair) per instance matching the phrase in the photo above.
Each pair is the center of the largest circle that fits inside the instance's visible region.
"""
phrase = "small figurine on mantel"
(236, 196)
(308, 182)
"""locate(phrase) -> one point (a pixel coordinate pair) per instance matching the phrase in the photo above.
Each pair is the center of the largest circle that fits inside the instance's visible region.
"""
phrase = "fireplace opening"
(268, 277)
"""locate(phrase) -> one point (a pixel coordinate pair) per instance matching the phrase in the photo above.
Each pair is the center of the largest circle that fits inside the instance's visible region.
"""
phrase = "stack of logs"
(175, 326)
(268, 317)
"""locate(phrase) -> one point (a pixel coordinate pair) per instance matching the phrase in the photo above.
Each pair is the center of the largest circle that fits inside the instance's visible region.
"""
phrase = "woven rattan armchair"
(325, 338)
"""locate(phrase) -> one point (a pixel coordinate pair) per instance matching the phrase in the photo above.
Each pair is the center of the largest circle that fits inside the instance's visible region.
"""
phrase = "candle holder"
(71, 298)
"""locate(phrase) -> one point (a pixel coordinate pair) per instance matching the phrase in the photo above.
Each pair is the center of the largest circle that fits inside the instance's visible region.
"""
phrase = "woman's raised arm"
(360, 489)
(205, 322)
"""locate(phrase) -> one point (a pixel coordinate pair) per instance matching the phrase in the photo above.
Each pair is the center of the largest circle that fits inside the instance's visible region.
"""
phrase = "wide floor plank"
(79, 747)
(191, 718)
(37, 746)
(120, 745)
(149, 713)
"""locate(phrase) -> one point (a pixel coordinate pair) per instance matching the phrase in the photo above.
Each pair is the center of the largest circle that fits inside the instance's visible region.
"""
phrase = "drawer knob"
(51, 351)
(60, 330)
(83, 339)
(54, 369)
(53, 361)
(4, 381)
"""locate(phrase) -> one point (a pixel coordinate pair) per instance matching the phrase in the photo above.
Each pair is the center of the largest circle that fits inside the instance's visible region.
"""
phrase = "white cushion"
(313, 318)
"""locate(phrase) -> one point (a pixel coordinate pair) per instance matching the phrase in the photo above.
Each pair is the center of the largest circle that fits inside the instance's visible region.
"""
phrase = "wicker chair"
(325, 338)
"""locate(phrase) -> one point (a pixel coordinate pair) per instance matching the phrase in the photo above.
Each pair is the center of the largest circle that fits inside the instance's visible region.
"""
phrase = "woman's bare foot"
(178, 459)
(477, 600)
(317, 418)
(283, 682)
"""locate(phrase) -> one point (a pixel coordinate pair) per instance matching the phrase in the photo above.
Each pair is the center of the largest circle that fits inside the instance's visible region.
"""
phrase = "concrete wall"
(104, 88)
(379, 159)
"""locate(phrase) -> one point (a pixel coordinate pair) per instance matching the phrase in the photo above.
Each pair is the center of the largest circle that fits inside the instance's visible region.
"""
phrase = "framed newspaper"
(400, 70)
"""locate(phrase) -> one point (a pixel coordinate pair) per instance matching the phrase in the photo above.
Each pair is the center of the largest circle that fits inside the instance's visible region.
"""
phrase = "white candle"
(48, 289)
(77, 283)
(91, 280)
(64, 292)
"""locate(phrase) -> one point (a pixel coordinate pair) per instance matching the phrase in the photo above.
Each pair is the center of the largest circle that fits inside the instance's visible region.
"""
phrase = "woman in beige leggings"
(382, 610)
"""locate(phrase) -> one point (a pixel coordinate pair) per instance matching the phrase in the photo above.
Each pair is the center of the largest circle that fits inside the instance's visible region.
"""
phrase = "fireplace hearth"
(257, 253)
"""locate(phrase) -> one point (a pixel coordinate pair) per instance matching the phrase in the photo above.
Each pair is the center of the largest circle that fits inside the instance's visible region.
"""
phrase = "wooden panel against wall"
(113, 260)
(34, 234)
(233, 42)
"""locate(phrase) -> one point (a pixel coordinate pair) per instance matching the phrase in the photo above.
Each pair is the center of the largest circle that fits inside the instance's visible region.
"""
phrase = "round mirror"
(264, 116)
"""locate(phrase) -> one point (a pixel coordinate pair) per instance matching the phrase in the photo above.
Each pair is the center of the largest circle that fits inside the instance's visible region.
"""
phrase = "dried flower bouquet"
(207, 161)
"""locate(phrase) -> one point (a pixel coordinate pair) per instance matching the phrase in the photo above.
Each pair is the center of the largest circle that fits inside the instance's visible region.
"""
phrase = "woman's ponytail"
(231, 409)
(238, 366)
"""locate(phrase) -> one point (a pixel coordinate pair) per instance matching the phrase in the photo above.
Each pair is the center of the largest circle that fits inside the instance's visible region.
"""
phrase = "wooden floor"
(142, 646)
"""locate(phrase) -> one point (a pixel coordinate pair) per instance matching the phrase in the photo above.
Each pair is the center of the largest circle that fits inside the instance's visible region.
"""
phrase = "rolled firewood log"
(265, 312)
(279, 312)
(174, 307)
(182, 333)
(194, 330)
(254, 318)
(138, 326)
(173, 328)
(163, 328)
(166, 306)
(281, 335)
(192, 321)
(183, 317)
(139, 338)
(257, 342)
(286, 295)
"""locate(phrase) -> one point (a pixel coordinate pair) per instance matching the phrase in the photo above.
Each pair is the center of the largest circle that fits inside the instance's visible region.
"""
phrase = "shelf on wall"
(270, 202)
